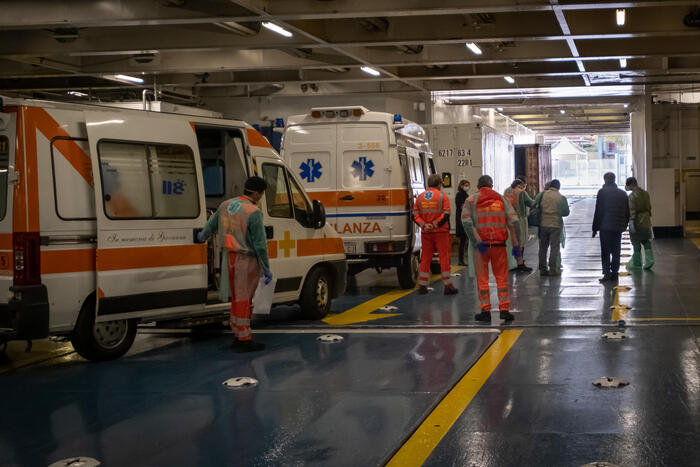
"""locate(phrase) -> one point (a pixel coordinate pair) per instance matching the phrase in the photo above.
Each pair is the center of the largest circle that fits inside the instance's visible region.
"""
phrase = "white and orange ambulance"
(98, 208)
(367, 168)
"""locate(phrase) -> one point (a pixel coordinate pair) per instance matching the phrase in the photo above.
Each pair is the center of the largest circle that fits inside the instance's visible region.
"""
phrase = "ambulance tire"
(108, 341)
(315, 297)
(407, 271)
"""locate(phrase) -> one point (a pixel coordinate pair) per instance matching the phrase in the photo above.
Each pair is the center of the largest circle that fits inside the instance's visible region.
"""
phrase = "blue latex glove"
(200, 236)
(268, 277)
(482, 247)
(517, 252)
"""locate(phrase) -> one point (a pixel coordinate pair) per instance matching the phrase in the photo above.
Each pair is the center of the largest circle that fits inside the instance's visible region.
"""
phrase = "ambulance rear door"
(8, 124)
(148, 197)
(310, 152)
(364, 217)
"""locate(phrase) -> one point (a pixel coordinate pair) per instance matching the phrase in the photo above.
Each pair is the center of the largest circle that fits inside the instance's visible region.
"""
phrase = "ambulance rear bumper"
(26, 315)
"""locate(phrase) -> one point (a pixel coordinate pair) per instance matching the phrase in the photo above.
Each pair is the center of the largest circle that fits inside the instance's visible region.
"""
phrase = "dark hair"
(555, 184)
(434, 181)
(521, 177)
(516, 183)
(254, 185)
(485, 180)
(631, 181)
(609, 177)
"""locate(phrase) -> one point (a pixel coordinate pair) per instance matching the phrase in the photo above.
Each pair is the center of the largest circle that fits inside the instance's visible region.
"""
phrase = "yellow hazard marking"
(697, 242)
(619, 311)
(287, 244)
(365, 311)
(665, 319)
(423, 441)
(42, 350)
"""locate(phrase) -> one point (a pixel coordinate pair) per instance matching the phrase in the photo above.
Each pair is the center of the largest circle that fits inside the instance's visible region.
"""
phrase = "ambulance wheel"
(407, 272)
(315, 298)
(107, 340)
(435, 268)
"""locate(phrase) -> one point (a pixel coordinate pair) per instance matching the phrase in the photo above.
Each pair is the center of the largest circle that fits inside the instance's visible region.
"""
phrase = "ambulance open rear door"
(148, 198)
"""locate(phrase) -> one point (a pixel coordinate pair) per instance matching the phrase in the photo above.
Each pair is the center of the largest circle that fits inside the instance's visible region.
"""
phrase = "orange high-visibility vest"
(432, 205)
(490, 218)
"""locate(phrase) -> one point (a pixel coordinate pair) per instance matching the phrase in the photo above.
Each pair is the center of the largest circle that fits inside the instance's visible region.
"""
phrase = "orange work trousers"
(498, 257)
(243, 276)
(440, 241)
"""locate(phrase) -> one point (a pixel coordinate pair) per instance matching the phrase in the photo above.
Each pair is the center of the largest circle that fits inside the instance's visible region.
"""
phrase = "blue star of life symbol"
(362, 168)
(428, 195)
(310, 170)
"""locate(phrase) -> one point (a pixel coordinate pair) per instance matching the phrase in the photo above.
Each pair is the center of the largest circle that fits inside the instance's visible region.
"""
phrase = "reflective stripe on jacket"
(488, 214)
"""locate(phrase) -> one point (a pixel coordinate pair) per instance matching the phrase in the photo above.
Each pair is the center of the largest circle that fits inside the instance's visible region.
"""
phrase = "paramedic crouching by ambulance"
(238, 223)
(432, 213)
(487, 218)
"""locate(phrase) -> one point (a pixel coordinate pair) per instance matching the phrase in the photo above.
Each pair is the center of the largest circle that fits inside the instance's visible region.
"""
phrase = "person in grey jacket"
(554, 208)
(612, 214)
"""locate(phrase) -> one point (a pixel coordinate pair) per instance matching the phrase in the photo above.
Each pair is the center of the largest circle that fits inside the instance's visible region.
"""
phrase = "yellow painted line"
(436, 425)
(42, 350)
(618, 311)
(365, 311)
(697, 242)
(664, 319)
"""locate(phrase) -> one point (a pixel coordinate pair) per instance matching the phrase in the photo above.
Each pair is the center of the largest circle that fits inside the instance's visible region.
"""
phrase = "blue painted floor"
(350, 403)
(356, 402)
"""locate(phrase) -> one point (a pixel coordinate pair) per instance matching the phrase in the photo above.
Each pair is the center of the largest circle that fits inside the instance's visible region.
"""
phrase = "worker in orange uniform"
(238, 224)
(432, 213)
(487, 218)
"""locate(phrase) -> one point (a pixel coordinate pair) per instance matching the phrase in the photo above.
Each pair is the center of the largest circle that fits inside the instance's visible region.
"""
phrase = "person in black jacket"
(462, 195)
(612, 214)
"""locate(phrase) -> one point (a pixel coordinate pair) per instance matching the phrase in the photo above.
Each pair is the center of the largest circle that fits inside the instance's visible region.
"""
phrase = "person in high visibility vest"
(487, 218)
(238, 224)
(432, 213)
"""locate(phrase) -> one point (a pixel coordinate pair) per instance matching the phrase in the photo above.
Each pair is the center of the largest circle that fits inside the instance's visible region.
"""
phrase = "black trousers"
(610, 244)
(463, 243)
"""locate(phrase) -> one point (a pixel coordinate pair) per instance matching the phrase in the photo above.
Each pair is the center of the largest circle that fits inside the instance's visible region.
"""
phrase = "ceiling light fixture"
(129, 78)
(76, 94)
(500, 109)
(562, 111)
(278, 29)
(509, 79)
(474, 48)
(620, 16)
(370, 71)
(623, 63)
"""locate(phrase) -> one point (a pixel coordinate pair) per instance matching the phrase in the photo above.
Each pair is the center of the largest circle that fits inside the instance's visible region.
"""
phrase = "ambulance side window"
(146, 181)
(75, 199)
(276, 196)
(301, 206)
(214, 178)
(431, 165)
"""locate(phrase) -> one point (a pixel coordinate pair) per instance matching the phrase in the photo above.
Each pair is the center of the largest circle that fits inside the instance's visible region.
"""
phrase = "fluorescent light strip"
(129, 78)
(474, 48)
(623, 63)
(509, 79)
(278, 29)
(562, 111)
(76, 93)
(620, 16)
(370, 71)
